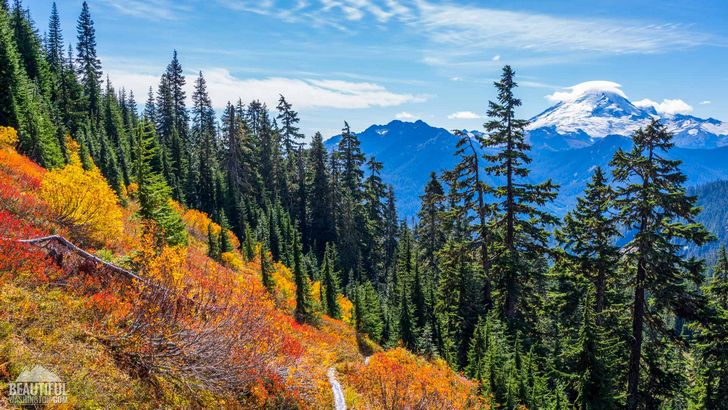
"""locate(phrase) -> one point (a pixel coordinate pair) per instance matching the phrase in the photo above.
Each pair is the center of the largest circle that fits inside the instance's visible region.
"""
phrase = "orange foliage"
(397, 379)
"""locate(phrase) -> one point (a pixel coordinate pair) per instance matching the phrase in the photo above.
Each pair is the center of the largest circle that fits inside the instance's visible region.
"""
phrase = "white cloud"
(667, 106)
(496, 57)
(575, 91)
(471, 26)
(302, 93)
(404, 115)
(464, 115)
(456, 78)
(706, 102)
(149, 9)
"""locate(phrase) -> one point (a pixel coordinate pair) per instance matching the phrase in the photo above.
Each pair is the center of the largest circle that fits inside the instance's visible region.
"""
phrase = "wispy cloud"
(149, 9)
(706, 102)
(464, 115)
(303, 93)
(459, 35)
(404, 115)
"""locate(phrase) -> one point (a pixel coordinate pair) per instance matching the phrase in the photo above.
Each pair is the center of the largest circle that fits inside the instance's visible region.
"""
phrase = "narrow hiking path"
(339, 402)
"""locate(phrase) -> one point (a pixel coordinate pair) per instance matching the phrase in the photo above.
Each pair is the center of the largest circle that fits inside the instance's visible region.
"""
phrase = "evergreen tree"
(266, 270)
(519, 204)
(652, 202)
(213, 243)
(330, 282)
(22, 105)
(712, 337)
(321, 229)
(406, 327)
(204, 132)
(54, 44)
(304, 301)
(468, 191)
(89, 65)
(431, 232)
(351, 159)
(154, 193)
(588, 235)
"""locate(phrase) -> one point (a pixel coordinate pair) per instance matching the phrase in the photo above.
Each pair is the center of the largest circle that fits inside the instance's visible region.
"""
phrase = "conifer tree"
(321, 229)
(331, 282)
(304, 312)
(431, 232)
(468, 191)
(22, 106)
(518, 204)
(213, 244)
(55, 46)
(204, 132)
(712, 337)
(266, 270)
(406, 327)
(154, 193)
(652, 202)
(589, 234)
(89, 65)
(351, 160)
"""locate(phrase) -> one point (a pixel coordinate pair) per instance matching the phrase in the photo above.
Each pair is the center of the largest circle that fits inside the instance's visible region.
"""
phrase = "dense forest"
(543, 313)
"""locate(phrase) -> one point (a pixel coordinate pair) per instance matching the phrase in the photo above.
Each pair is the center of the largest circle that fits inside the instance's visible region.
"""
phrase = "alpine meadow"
(208, 231)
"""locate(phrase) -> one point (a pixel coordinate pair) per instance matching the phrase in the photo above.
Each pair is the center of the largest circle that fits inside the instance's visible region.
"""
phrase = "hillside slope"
(192, 333)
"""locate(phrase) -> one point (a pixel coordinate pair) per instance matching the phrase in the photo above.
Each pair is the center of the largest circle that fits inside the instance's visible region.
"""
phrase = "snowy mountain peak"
(595, 109)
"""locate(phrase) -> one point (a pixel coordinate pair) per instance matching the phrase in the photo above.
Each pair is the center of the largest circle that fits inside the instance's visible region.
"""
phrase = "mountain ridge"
(562, 149)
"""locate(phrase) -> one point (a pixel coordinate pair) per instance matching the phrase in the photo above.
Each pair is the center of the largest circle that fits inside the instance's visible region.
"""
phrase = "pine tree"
(321, 230)
(712, 337)
(22, 105)
(406, 327)
(652, 202)
(213, 243)
(468, 191)
(518, 204)
(431, 230)
(54, 44)
(330, 282)
(351, 159)
(154, 193)
(304, 312)
(89, 65)
(592, 368)
(203, 130)
(266, 270)
(588, 235)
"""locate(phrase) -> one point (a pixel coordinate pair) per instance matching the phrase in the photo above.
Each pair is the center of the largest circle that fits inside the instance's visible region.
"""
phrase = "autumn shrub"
(397, 379)
(82, 201)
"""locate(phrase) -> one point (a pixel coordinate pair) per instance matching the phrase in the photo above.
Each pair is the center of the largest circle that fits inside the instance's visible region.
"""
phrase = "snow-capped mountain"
(591, 112)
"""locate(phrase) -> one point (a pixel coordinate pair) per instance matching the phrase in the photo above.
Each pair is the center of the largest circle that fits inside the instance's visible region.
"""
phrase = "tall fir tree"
(519, 204)
(89, 65)
(652, 202)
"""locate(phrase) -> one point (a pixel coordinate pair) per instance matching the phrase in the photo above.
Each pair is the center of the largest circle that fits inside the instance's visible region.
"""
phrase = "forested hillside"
(713, 199)
(242, 264)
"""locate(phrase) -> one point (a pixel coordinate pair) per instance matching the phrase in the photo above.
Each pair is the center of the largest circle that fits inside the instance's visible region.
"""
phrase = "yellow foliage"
(347, 309)
(82, 200)
(8, 136)
(132, 190)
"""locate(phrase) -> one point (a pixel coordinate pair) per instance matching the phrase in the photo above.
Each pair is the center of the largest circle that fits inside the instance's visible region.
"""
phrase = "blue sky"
(371, 61)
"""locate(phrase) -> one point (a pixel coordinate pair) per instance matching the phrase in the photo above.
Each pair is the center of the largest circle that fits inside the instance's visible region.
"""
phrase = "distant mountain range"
(568, 140)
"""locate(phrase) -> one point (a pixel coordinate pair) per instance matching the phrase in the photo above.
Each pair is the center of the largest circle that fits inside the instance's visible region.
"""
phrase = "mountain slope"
(195, 333)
